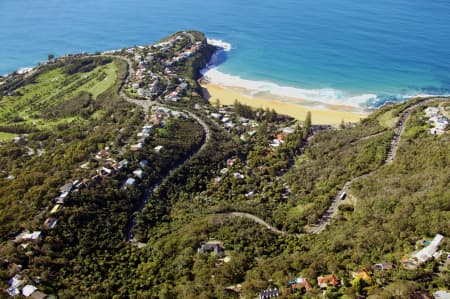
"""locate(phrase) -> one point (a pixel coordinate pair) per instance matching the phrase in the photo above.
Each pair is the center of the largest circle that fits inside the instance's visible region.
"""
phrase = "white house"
(427, 253)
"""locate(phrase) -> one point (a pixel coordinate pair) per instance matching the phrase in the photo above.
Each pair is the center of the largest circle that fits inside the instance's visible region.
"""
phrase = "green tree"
(308, 120)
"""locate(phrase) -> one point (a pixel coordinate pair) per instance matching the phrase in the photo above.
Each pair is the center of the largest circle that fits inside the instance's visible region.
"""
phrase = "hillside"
(120, 181)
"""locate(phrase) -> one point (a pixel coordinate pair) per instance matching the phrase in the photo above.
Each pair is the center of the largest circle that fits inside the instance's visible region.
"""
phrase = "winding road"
(332, 210)
(146, 104)
(336, 201)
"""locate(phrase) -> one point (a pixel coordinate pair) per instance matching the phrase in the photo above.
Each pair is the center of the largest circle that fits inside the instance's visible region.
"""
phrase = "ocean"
(354, 52)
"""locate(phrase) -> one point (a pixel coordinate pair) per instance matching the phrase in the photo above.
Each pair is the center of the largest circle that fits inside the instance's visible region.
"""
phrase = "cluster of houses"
(147, 83)
(438, 122)
(301, 284)
(224, 171)
(246, 127)
(180, 90)
(18, 285)
(229, 121)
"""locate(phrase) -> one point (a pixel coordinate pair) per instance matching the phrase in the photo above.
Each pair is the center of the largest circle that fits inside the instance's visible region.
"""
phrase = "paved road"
(332, 210)
(398, 131)
(146, 104)
(263, 223)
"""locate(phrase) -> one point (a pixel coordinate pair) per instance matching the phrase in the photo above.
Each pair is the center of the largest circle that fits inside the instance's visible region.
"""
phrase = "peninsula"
(119, 180)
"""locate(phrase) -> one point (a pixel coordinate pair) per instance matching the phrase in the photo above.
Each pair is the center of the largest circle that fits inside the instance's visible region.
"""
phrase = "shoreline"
(297, 108)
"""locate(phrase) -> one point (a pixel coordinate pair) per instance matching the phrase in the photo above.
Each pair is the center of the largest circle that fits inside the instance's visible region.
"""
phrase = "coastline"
(330, 115)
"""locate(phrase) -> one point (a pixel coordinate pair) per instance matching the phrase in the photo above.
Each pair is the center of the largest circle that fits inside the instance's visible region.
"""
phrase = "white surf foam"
(319, 98)
(219, 44)
(314, 97)
(24, 70)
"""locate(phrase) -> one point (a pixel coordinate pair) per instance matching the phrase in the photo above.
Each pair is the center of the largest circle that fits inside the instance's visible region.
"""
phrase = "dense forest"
(123, 201)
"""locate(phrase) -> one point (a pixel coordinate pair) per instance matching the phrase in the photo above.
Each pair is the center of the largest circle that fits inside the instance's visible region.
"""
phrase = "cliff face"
(191, 69)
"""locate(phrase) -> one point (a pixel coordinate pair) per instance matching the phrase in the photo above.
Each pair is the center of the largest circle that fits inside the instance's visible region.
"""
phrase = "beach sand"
(333, 116)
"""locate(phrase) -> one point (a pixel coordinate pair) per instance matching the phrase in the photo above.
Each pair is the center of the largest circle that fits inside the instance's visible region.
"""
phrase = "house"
(269, 293)
(59, 200)
(130, 182)
(139, 173)
(143, 163)
(325, 281)
(123, 163)
(230, 162)
(384, 266)
(66, 188)
(104, 171)
(136, 147)
(276, 143)
(362, 274)
(428, 252)
(288, 130)
(238, 175)
(50, 222)
(216, 247)
(14, 284)
(299, 283)
(103, 154)
(250, 194)
(431, 111)
(64, 195)
(441, 295)
(26, 235)
(28, 290)
(224, 171)
(229, 125)
(158, 148)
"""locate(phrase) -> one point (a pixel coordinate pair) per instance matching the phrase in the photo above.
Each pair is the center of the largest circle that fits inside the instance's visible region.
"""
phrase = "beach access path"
(337, 200)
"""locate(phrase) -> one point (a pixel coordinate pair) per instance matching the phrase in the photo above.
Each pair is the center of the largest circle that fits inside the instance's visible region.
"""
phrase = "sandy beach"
(332, 114)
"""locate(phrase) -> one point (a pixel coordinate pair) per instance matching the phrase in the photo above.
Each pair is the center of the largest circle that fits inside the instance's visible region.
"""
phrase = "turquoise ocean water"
(363, 52)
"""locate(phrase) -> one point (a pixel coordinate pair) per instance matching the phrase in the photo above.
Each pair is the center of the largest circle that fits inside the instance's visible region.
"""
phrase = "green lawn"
(6, 136)
(50, 90)
(387, 119)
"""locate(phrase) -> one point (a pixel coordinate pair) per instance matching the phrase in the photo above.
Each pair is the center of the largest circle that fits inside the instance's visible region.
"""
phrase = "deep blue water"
(357, 47)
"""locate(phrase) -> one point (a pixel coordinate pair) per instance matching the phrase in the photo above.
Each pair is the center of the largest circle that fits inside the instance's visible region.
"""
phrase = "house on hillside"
(441, 295)
(28, 290)
(66, 188)
(214, 247)
(429, 251)
(128, 183)
(384, 266)
(269, 293)
(139, 173)
(26, 235)
(50, 222)
(328, 280)
(299, 284)
(136, 147)
(431, 111)
(14, 284)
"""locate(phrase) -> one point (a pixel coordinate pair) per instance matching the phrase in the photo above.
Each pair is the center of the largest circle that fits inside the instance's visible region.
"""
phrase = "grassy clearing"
(30, 103)
(387, 119)
(6, 136)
